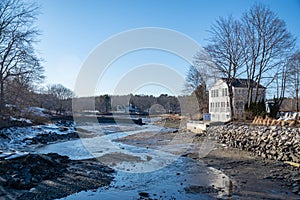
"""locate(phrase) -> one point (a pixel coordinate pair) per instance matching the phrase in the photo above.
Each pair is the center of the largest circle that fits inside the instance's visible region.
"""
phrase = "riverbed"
(110, 161)
(142, 172)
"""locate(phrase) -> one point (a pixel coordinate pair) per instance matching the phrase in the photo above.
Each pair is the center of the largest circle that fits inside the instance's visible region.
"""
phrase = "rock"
(296, 189)
(144, 194)
(26, 171)
(277, 143)
(33, 190)
(295, 158)
(2, 193)
(194, 189)
(63, 128)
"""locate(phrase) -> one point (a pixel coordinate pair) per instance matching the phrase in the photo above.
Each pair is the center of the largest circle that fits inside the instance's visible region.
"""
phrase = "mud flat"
(141, 172)
(251, 176)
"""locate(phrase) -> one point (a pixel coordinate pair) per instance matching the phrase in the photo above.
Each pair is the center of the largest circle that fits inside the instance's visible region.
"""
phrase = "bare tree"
(17, 36)
(267, 43)
(293, 77)
(224, 53)
(196, 85)
(61, 94)
(20, 93)
(194, 78)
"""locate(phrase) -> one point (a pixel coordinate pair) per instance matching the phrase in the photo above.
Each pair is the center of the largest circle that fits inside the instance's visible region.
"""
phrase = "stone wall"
(272, 142)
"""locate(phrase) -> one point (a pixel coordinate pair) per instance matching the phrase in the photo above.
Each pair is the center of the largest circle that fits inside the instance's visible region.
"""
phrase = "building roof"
(243, 83)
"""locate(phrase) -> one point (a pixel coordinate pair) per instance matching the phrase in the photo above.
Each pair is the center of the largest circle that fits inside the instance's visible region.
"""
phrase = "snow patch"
(16, 138)
(28, 121)
(36, 111)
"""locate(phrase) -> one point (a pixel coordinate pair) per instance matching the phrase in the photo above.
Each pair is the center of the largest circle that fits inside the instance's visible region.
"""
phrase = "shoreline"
(252, 177)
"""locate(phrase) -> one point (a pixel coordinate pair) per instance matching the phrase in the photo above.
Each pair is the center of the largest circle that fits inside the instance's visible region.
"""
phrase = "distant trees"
(103, 103)
(18, 60)
(144, 102)
(107, 103)
(59, 95)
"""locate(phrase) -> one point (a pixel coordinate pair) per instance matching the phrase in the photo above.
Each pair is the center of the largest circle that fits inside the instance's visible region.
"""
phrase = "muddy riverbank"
(251, 177)
(153, 172)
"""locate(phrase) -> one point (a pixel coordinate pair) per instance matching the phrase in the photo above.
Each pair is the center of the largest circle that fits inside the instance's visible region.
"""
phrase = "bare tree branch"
(17, 35)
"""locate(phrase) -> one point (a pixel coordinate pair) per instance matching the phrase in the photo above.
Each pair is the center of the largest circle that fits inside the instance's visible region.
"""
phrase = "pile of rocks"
(272, 142)
(50, 176)
(27, 171)
(45, 138)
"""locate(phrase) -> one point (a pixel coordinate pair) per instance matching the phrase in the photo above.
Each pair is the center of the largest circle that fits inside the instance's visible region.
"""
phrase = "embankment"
(272, 142)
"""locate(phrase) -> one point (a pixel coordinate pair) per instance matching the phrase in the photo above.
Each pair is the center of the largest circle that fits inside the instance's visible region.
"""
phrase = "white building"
(219, 107)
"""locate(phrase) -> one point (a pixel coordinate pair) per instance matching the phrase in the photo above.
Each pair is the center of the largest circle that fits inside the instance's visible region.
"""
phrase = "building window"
(222, 106)
(239, 105)
(224, 92)
(214, 93)
(242, 105)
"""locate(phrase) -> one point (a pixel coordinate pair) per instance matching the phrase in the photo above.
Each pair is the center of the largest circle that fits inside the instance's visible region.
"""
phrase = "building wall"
(219, 102)
(240, 99)
(219, 107)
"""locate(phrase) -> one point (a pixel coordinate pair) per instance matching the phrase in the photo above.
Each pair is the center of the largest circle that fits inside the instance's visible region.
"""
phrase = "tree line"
(185, 104)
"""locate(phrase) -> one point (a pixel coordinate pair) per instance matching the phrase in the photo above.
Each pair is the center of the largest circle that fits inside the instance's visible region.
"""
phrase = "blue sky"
(72, 29)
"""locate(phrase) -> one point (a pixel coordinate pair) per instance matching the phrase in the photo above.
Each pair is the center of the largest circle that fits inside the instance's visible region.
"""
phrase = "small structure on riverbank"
(197, 126)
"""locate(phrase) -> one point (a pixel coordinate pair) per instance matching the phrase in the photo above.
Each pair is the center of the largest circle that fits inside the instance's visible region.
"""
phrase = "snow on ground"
(28, 121)
(36, 111)
(13, 139)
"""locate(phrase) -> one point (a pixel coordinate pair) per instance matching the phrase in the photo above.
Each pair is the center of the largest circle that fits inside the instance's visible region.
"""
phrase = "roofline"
(244, 79)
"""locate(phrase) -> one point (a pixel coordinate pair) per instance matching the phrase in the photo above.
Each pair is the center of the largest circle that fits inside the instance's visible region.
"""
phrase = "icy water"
(151, 174)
